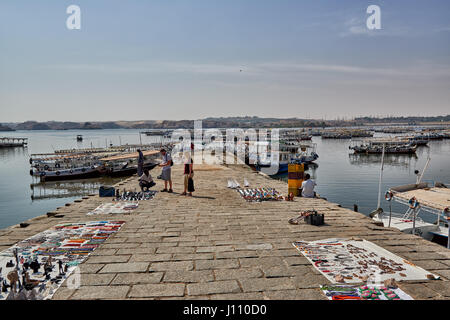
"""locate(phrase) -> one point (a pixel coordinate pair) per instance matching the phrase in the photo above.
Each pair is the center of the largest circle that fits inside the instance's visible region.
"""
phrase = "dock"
(216, 245)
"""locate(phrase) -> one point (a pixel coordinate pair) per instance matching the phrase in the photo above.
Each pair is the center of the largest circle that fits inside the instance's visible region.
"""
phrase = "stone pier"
(215, 245)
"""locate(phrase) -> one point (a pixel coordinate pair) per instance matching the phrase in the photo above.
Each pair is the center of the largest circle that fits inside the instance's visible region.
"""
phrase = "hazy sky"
(188, 59)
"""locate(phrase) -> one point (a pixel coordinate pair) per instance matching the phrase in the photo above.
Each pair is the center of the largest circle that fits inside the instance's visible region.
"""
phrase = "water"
(346, 178)
(22, 197)
(341, 177)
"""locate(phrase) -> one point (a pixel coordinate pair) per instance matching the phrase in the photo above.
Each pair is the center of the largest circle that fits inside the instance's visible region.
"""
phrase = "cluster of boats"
(90, 163)
(346, 134)
(376, 148)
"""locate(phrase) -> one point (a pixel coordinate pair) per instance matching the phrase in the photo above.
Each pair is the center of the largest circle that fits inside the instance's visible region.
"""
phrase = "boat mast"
(381, 177)
(424, 169)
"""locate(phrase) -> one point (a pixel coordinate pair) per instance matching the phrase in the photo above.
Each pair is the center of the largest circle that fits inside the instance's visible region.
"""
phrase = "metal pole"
(414, 222)
(425, 168)
(448, 239)
(390, 213)
(381, 177)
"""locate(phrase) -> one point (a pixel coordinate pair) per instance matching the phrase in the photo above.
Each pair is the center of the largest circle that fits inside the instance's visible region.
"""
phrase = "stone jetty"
(215, 245)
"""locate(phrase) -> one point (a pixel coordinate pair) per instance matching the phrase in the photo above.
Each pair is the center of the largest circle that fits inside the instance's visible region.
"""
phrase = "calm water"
(341, 176)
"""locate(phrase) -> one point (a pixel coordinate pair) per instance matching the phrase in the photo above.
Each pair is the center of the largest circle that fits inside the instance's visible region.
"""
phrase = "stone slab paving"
(216, 245)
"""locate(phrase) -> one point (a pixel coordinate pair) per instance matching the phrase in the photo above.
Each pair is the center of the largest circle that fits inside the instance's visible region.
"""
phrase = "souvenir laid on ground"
(363, 292)
(34, 268)
(260, 194)
(233, 184)
(309, 216)
(114, 208)
(134, 196)
(353, 261)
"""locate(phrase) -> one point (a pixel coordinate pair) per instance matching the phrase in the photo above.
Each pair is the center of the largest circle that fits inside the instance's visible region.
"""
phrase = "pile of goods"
(119, 207)
(310, 216)
(260, 194)
(357, 260)
(364, 292)
(134, 196)
(35, 268)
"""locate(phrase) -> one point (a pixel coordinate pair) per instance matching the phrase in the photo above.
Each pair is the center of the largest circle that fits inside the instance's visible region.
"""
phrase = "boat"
(420, 197)
(126, 164)
(69, 174)
(11, 142)
(289, 152)
(383, 146)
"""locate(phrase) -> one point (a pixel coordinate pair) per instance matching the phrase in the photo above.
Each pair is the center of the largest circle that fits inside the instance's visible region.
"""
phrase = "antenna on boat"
(424, 169)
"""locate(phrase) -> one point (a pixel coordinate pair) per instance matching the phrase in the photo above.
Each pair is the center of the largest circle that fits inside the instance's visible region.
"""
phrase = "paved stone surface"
(157, 290)
(228, 286)
(215, 245)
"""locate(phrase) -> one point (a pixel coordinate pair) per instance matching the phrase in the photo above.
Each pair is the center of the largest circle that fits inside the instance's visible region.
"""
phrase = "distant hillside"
(229, 122)
(403, 119)
(5, 128)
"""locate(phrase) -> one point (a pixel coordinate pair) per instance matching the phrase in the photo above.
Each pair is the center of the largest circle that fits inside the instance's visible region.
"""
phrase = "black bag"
(106, 191)
(191, 185)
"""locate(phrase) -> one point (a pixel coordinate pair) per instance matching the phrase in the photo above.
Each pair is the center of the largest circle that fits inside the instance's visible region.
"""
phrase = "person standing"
(166, 170)
(308, 187)
(188, 173)
(140, 168)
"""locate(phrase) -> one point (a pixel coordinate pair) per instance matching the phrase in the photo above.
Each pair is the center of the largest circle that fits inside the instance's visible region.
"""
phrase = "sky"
(191, 59)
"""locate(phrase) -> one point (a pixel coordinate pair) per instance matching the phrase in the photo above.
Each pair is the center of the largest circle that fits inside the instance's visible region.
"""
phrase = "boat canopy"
(437, 197)
(130, 155)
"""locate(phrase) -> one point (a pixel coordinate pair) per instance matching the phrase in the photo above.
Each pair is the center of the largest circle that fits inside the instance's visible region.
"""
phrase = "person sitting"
(308, 187)
(146, 181)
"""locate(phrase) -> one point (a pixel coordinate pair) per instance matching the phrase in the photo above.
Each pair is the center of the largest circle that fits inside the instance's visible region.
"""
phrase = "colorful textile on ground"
(114, 208)
(352, 261)
(34, 268)
(364, 292)
(260, 194)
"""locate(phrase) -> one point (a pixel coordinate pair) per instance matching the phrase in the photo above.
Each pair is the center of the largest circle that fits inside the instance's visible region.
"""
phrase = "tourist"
(146, 181)
(308, 187)
(140, 168)
(188, 174)
(166, 170)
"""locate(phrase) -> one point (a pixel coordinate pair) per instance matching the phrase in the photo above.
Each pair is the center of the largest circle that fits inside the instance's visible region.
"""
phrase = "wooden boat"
(69, 174)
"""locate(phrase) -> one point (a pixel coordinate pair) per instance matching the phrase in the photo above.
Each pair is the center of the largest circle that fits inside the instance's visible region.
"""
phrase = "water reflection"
(68, 189)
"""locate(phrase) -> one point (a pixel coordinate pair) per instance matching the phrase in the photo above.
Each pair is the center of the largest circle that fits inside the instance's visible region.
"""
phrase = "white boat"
(420, 198)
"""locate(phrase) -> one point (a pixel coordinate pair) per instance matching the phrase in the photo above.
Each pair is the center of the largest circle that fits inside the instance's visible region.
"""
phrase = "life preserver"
(388, 195)
(446, 212)
(92, 167)
(42, 174)
(57, 165)
(71, 171)
(46, 167)
(57, 173)
(413, 203)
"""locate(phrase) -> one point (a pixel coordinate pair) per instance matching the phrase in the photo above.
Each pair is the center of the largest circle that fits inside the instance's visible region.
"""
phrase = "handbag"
(191, 185)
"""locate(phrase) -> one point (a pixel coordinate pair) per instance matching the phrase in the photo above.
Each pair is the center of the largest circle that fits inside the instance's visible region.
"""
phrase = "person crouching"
(146, 181)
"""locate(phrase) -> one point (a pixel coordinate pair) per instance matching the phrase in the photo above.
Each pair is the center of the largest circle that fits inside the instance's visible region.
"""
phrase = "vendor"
(308, 187)
(146, 181)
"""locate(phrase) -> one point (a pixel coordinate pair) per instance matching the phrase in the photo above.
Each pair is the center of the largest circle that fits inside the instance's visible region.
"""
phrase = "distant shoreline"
(231, 122)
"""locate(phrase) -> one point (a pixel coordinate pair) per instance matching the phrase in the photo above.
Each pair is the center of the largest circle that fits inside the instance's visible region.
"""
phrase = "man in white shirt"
(166, 170)
(146, 180)
(308, 187)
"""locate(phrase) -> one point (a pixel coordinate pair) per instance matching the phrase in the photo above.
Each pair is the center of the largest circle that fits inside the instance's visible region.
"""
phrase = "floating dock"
(216, 245)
